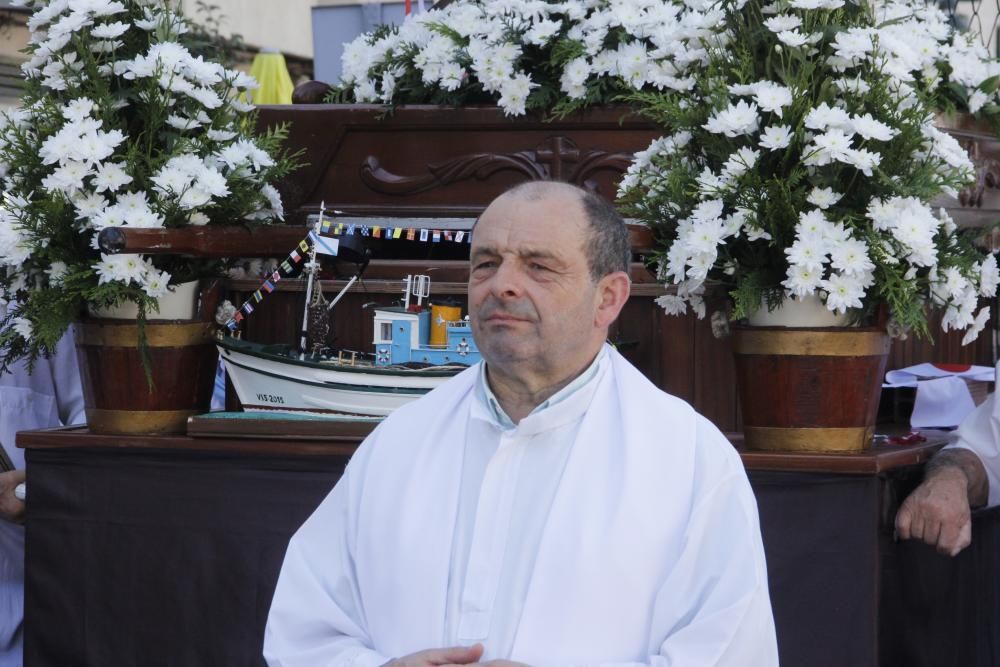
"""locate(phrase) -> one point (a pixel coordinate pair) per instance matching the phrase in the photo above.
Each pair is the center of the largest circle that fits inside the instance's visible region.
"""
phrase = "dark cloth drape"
(147, 558)
(159, 559)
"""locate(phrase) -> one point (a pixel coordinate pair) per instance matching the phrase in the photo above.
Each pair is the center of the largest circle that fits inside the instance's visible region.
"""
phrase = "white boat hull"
(272, 385)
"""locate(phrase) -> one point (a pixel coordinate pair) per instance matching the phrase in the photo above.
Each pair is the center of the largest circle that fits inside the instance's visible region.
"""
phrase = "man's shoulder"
(679, 425)
(639, 392)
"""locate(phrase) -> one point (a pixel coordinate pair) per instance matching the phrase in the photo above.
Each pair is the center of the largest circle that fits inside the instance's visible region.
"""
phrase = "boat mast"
(312, 268)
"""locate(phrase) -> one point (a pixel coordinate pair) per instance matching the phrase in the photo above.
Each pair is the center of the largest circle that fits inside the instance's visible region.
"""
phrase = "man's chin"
(501, 353)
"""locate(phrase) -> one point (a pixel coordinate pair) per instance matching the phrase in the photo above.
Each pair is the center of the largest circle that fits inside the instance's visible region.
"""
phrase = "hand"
(502, 663)
(11, 508)
(435, 657)
(937, 512)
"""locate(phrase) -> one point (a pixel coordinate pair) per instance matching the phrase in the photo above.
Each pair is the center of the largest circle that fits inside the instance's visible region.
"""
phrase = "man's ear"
(612, 292)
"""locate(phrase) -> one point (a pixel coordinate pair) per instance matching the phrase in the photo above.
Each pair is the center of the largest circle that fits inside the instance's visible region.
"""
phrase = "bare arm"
(971, 467)
(938, 511)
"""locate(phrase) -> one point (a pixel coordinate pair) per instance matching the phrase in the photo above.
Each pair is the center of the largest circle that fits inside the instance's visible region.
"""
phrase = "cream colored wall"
(285, 25)
(12, 40)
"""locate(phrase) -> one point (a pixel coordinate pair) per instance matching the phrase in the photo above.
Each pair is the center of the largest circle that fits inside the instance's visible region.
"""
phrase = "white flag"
(323, 245)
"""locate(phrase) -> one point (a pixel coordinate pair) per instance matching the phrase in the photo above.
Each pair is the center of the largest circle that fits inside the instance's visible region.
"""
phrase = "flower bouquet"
(120, 126)
(800, 164)
(953, 68)
(529, 55)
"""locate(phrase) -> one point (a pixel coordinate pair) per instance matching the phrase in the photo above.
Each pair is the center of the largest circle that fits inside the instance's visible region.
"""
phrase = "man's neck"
(520, 395)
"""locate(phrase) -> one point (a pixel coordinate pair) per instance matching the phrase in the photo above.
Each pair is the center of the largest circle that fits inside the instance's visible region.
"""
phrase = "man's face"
(532, 301)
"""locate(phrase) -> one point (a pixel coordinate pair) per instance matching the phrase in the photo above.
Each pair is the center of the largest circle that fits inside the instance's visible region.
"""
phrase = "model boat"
(416, 347)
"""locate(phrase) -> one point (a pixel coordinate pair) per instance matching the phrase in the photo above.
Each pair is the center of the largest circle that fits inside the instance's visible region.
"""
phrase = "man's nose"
(508, 281)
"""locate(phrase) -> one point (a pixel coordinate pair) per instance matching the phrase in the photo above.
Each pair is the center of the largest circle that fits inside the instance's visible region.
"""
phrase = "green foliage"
(136, 129)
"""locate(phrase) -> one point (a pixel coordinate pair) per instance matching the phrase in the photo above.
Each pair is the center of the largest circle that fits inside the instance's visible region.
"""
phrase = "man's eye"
(484, 265)
(539, 267)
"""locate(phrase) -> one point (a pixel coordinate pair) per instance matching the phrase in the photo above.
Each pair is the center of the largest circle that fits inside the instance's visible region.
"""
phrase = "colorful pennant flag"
(458, 237)
(267, 286)
(397, 232)
(303, 246)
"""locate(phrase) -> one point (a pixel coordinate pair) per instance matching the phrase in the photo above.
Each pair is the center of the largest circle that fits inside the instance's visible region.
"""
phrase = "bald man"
(548, 506)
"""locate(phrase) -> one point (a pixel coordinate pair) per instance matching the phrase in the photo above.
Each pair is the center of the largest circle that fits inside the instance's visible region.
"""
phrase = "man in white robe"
(50, 395)
(549, 506)
(962, 476)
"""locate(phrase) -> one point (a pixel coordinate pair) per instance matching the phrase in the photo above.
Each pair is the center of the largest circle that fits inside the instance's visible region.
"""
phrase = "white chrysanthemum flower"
(89, 205)
(182, 123)
(274, 200)
(171, 180)
(735, 120)
(826, 117)
(776, 137)
(772, 97)
(869, 128)
(977, 326)
(824, 198)
(850, 257)
(110, 30)
(123, 268)
(793, 38)
(863, 160)
(155, 282)
(808, 252)
(56, 272)
(514, 94)
(976, 101)
(783, 22)
(854, 44)
(672, 304)
(802, 280)
(833, 145)
(842, 292)
(23, 327)
(739, 162)
(574, 76)
(78, 109)
(110, 177)
(199, 219)
(989, 276)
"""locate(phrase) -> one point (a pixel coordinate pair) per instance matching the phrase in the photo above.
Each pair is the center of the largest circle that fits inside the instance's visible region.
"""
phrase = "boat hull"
(269, 383)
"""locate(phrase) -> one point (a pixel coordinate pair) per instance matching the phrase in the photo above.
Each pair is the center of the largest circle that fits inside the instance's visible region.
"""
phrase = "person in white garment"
(549, 506)
(962, 476)
(50, 395)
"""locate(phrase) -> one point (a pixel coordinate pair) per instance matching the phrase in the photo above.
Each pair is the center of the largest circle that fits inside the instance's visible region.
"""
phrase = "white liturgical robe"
(611, 526)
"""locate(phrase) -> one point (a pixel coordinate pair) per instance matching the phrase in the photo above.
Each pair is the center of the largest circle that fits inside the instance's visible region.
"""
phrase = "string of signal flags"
(320, 241)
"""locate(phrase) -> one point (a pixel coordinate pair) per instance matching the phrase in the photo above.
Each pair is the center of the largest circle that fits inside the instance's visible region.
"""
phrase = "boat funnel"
(441, 314)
